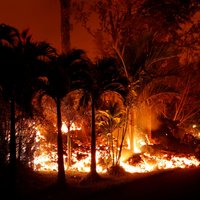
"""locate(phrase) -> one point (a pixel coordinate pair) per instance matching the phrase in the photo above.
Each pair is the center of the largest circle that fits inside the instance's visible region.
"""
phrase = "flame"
(73, 127)
(45, 158)
(151, 163)
(84, 164)
(42, 160)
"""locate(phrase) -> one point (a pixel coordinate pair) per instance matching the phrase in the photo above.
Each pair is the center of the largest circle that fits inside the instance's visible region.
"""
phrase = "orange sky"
(42, 17)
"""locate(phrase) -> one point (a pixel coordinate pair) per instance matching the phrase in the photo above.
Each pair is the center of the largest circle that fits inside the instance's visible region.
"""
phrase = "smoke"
(147, 119)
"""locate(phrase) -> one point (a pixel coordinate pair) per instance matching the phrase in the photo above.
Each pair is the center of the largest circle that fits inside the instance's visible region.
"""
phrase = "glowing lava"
(46, 159)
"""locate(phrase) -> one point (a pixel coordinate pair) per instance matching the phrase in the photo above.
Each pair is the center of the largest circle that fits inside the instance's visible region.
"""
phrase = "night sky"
(42, 17)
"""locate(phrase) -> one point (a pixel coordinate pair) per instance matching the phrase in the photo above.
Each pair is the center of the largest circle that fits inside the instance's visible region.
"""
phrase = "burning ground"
(144, 158)
(167, 169)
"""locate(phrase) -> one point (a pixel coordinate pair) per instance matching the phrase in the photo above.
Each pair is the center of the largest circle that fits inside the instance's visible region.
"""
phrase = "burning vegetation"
(120, 146)
(143, 158)
(132, 109)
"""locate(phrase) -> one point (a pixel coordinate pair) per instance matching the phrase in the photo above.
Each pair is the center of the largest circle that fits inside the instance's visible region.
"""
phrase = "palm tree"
(103, 76)
(110, 120)
(153, 100)
(19, 55)
(144, 60)
(61, 80)
(9, 40)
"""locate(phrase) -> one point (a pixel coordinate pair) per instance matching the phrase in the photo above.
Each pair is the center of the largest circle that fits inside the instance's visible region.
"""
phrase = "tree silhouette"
(102, 76)
(19, 55)
(59, 80)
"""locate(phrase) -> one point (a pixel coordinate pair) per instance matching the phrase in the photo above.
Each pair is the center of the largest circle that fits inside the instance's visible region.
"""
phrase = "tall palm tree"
(65, 24)
(103, 76)
(9, 40)
(143, 59)
(19, 56)
(61, 80)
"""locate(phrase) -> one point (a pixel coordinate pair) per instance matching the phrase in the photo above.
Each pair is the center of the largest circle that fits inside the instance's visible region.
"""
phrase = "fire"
(46, 158)
(42, 160)
(84, 164)
(151, 163)
(72, 127)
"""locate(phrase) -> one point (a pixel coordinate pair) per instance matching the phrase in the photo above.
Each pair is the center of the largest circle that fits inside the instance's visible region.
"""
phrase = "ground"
(165, 184)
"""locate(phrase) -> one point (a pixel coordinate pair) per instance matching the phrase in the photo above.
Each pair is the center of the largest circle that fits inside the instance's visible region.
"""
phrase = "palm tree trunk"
(65, 25)
(61, 170)
(93, 141)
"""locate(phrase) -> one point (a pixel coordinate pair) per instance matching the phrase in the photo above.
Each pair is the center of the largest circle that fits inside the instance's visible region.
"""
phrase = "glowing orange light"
(46, 159)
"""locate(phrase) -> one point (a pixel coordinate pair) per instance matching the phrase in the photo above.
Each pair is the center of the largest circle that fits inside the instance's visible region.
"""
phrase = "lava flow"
(45, 158)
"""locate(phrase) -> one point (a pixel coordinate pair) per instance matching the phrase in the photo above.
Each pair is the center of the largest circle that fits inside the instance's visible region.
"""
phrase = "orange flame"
(46, 159)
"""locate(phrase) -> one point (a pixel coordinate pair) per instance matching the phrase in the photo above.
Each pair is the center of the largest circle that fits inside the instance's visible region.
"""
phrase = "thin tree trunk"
(131, 130)
(19, 147)
(3, 142)
(182, 101)
(20, 140)
(93, 141)
(68, 147)
(124, 130)
(65, 24)
(117, 146)
(134, 127)
(13, 164)
(112, 148)
(61, 170)
(150, 125)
